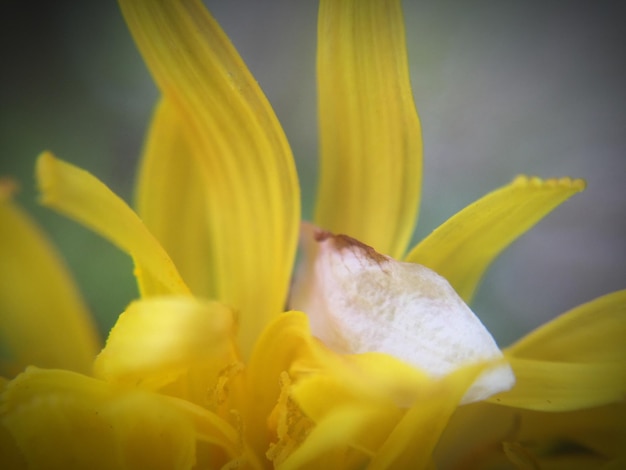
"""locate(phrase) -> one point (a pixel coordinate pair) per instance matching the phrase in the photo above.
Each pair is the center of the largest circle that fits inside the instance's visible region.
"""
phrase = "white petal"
(359, 300)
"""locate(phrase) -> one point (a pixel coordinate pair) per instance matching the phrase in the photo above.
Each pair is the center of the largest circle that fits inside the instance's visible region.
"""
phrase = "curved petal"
(591, 332)
(562, 386)
(575, 361)
(423, 423)
(157, 339)
(44, 321)
(243, 157)
(463, 247)
(370, 137)
(60, 419)
(477, 432)
(81, 196)
(333, 434)
(171, 199)
(284, 340)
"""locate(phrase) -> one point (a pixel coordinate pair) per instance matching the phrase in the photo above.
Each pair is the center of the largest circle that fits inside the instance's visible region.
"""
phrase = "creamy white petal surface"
(359, 300)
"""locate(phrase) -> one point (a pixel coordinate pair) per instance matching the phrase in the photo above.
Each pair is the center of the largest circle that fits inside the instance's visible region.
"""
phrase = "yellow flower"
(186, 382)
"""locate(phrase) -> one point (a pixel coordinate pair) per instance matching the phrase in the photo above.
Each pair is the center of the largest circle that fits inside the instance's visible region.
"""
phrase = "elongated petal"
(592, 332)
(561, 386)
(171, 199)
(423, 423)
(44, 321)
(157, 339)
(81, 196)
(477, 432)
(575, 361)
(247, 168)
(331, 434)
(60, 419)
(464, 246)
(285, 339)
(371, 148)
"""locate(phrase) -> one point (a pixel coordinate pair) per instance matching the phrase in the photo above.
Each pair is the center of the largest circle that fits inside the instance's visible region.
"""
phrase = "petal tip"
(576, 184)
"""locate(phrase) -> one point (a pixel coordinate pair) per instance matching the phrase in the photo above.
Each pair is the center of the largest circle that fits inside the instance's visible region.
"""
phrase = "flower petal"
(423, 423)
(370, 137)
(561, 386)
(592, 332)
(477, 432)
(157, 339)
(333, 433)
(60, 419)
(81, 196)
(463, 247)
(575, 361)
(44, 321)
(171, 199)
(284, 340)
(247, 168)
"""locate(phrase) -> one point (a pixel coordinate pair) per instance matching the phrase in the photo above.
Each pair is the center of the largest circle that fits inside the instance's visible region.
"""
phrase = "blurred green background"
(502, 88)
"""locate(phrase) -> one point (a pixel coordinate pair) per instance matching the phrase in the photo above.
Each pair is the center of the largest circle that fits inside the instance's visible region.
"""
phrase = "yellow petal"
(463, 247)
(242, 156)
(60, 419)
(575, 361)
(333, 433)
(562, 386)
(157, 339)
(423, 423)
(44, 321)
(592, 332)
(284, 340)
(377, 387)
(476, 434)
(171, 198)
(81, 196)
(370, 137)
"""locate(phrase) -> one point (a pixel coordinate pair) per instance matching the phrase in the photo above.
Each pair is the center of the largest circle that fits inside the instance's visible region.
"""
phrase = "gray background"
(502, 88)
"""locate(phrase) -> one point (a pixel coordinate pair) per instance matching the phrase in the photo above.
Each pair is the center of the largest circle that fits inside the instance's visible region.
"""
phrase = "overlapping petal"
(370, 137)
(171, 199)
(589, 438)
(81, 196)
(60, 419)
(463, 247)
(591, 332)
(246, 166)
(157, 340)
(576, 361)
(41, 307)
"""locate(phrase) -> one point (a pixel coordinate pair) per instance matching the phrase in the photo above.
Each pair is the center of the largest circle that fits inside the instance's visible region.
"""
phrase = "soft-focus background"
(502, 88)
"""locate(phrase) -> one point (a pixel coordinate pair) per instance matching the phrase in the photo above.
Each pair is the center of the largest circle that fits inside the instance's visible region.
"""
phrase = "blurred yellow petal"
(171, 199)
(60, 419)
(412, 441)
(463, 247)
(380, 386)
(562, 386)
(44, 321)
(242, 155)
(577, 360)
(285, 339)
(331, 434)
(592, 332)
(370, 137)
(477, 433)
(157, 339)
(81, 196)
